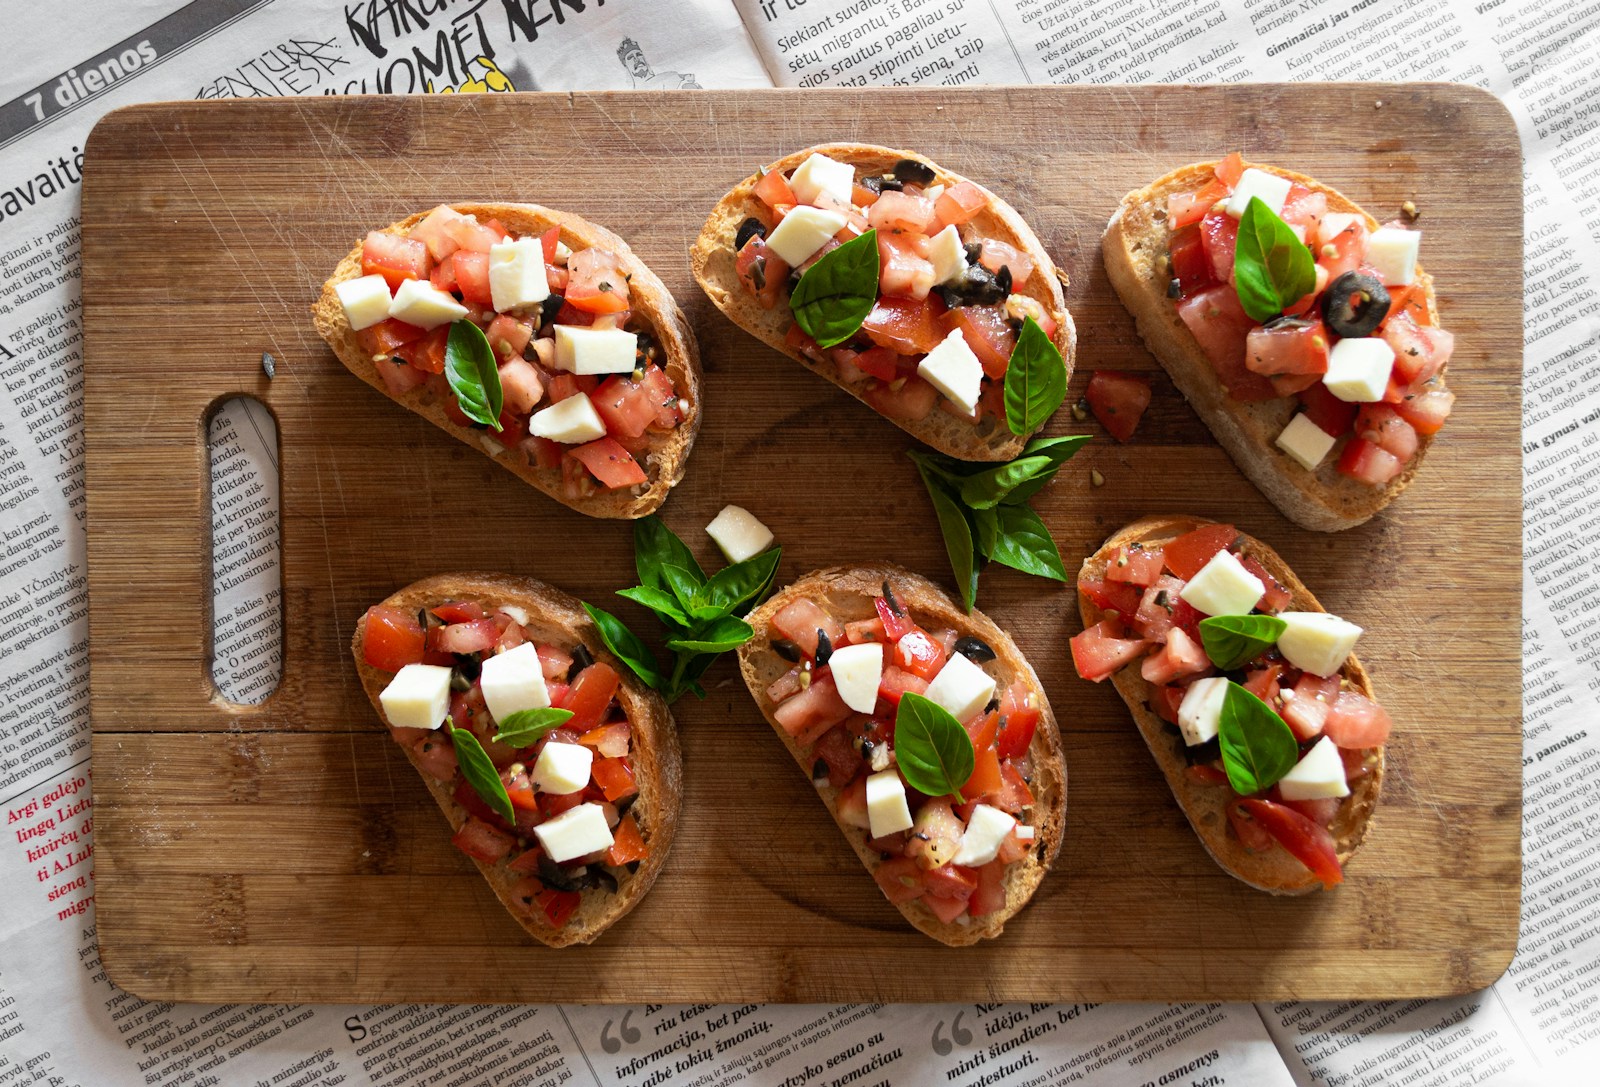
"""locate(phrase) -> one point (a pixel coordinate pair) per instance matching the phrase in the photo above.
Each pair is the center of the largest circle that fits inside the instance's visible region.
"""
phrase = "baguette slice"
(652, 302)
(848, 592)
(1275, 870)
(556, 618)
(713, 255)
(1134, 248)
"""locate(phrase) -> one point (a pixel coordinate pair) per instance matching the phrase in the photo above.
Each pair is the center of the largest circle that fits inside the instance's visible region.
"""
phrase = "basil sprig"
(478, 769)
(525, 727)
(983, 512)
(1036, 380)
(704, 616)
(934, 752)
(835, 294)
(470, 368)
(1257, 746)
(1272, 269)
(1232, 641)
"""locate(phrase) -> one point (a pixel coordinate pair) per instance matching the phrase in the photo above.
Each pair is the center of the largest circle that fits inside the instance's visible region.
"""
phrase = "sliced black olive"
(605, 881)
(1289, 323)
(819, 771)
(890, 183)
(581, 659)
(1002, 279)
(624, 804)
(794, 279)
(553, 875)
(468, 665)
(758, 273)
(786, 649)
(824, 648)
(994, 704)
(974, 649)
(910, 171)
(977, 286)
(888, 598)
(750, 228)
(645, 349)
(872, 183)
(1175, 288)
(547, 317)
(973, 251)
(1355, 305)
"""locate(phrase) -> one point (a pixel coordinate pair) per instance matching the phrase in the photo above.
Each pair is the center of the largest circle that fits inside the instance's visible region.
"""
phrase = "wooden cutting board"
(286, 852)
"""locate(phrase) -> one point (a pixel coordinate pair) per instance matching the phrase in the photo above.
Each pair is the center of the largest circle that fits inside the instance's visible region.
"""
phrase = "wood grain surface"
(286, 851)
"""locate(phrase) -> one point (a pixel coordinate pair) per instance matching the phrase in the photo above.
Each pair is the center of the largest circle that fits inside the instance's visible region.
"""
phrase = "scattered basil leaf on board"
(1036, 380)
(835, 294)
(654, 546)
(1272, 269)
(1022, 542)
(730, 590)
(934, 752)
(664, 604)
(526, 726)
(989, 488)
(626, 645)
(1232, 641)
(479, 772)
(470, 369)
(957, 531)
(1257, 746)
(728, 632)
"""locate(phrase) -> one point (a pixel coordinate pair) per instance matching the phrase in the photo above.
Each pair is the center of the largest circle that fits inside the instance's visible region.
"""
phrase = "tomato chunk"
(1019, 714)
(960, 202)
(472, 275)
(773, 189)
(1107, 595)
(1099, 651)
(987, 334)
(1288, 347)
(1135, 565)
(1181, 656)
(1222, 328)
(393, 639)
(395, 257)
(627, 844)
(905, 325)
(1369, 463)
(1188, 553)
(1333, 415)
(611, 464)
(800, 621)
(1118, 400)
(1307, 842)
(590, 695)
(482, 842)
(1355, 721)
(812, 712)
(900, 878)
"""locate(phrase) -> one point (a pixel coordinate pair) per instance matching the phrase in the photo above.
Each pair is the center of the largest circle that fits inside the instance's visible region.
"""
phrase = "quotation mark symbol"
(630, 1034)
(961, 1035)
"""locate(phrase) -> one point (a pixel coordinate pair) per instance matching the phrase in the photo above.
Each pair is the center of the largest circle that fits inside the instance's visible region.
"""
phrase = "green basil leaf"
(1232, 641)
(480, 773)
(728, 632)
(1022, 542)
(689, 676)
(986, 489)
(684, 586)
(470, 368)
(934, 752)
(1257, 746)
(957, 530)
(835, 294)
(626, 645)
(524, 727)
(1059, 449)
(735, 588)
(654, 546)
(1272, 269)
(1036, 380)
(662, 603)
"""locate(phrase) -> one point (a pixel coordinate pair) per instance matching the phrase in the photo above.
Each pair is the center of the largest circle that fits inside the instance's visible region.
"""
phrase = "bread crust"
(849, 591)
(652, 303)
(1133, 246)
(1275, 870)
(712, 259)
(556, 618)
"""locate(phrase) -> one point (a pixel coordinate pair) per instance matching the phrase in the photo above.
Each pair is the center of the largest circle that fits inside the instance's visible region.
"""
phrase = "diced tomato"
(1099, 651)
(471, 235)
(1181, 656)
(611, 464)
(880, 362)
(1202, 773)
(919, 654)
(1135, 565)
(431, 231)
(398, 378)
(896, 682)
(1344, 249)
(1252, 835)
(1382, 425)
(913, 400)
(990, 896)
(395, 257)
(1191, 267)
(519, 787)
(763, 273)
(627, 844)
(558, 906)
(960, 203)
(552, 805)
(1185, 209)
(811, 713)
(1333, 415)
(1186, 555)
(800, 621)
(852, 804)
(615, 778)
(864, 630)
(1013, 848)
(393, 638)
(1288, 347)
(899, 212)
(982, 728)
(426, 352)
(1120, 597)
(902, 269)
(949, 881)
(1410, 300)
(838, 749)
(896, 623)
(906, 326)
(946, 910)
(1154, 617)
(1019, 713)
(482, 842)
(773, 189)
(437, 756)
(459, 611)
(1426, 411)
(1306, 706)
(383, 337)
(1307, 842)
(474, 636)
(1118, 400)
(609, 740)
(985, 777)
(625, 405)
(472, 275)
(1263, 682)
(1230, 169)
(1014, 794)
(900, 878)
(1222, 328)
(543, 453)
(1186, 617)
(507, 336)
(995, 254)
(597, 281)
(1219, 234)
(1420, 351)
(1165, 700)
(590, 695)
(1355, 721)
(1276, 597)
(521, 387)
(1364, 461)
(987, 333)
(1304, 208)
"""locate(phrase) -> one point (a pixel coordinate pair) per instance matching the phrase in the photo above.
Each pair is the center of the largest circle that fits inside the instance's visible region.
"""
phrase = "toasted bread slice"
(652, 302)
(713, 256)
(1134, 249)
(557, 619)
(848, 592)
(1274, 870)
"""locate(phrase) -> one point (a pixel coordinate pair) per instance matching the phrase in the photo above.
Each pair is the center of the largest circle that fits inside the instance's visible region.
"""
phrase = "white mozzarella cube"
(365, 300)
(986, 829)
(948, 255)
(1358, 369)
(574, 833)
(857, 671)
(1200, 712)
(1223, 587)
(582, 350)
(571, 421)
(1393, 252)
(738, 534)
(562, 768)
(887, 810)
(955, 371)
(513, 681)
(1305, 441)
(418, 302)
(1272, 189)
(417, 697)
(516, 274)
(802, 232)
(1319, 775)
(1317, 642)
(961, 687)
(820, 174)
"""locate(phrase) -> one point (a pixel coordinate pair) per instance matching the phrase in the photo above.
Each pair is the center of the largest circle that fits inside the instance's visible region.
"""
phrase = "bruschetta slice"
(956, 277)
(1246, 691)
(1328, 399)
(574, 368)
(557, 769)
(927, 736)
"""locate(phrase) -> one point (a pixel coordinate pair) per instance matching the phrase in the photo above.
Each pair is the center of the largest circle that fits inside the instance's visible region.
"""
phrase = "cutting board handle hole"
(246, 564)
